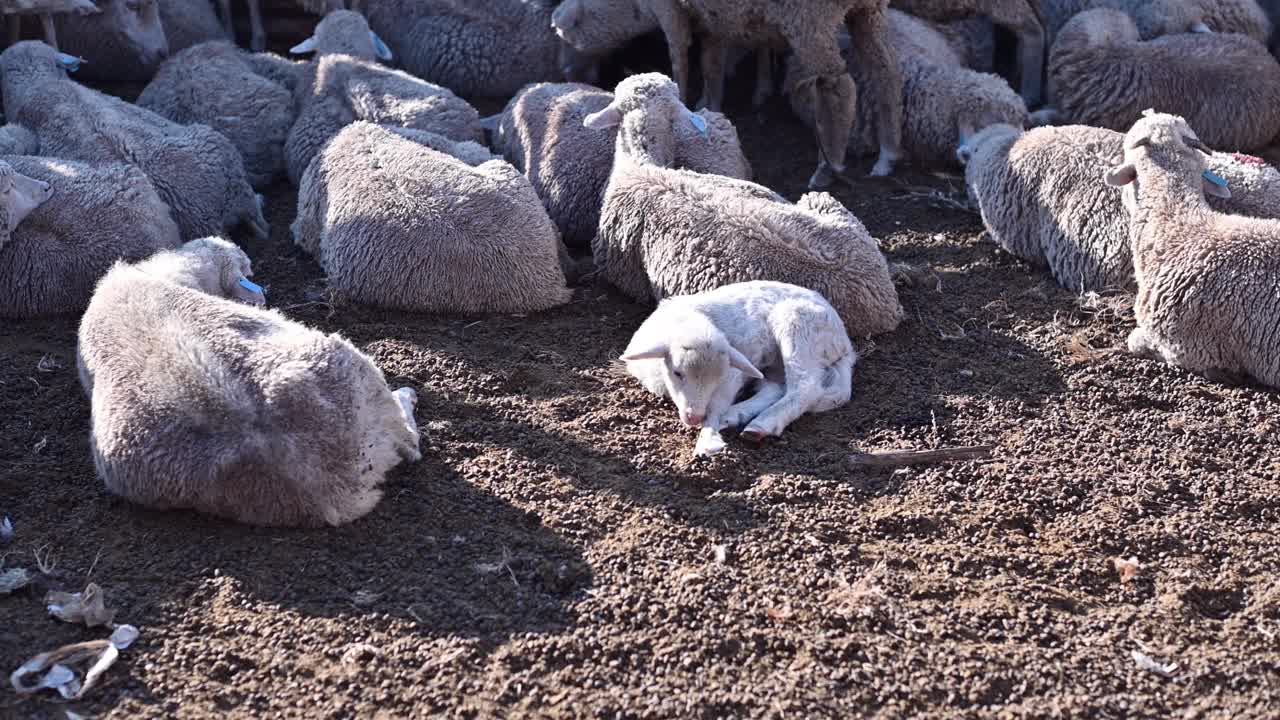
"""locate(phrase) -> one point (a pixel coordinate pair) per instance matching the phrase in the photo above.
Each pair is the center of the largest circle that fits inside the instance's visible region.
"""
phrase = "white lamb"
(204, 403)
(701, 350)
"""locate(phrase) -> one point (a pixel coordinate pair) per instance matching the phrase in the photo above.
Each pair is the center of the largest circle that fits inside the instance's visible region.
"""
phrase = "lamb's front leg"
(767, 394)
(709, 440)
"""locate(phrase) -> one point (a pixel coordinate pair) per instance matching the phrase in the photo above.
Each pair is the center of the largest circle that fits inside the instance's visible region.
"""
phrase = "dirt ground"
(559, 552)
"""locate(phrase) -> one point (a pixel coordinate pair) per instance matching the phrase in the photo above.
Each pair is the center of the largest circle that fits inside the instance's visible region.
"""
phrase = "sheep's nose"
(694, 420)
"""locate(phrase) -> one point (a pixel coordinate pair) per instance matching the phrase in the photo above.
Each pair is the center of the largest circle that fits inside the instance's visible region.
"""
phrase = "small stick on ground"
(904, 458)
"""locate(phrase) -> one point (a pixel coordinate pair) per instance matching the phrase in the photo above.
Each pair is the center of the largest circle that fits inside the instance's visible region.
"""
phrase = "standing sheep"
(541, 133)
(190, 22)
(397, 224)
(124, 42)
(1101, 73)
(808, 27)
(345, 85)
(667, 232)
(196, 171)
(1208, 283)
(203, 403)
(213, 84)
(79, 220)
(14, 10)
(701, 351)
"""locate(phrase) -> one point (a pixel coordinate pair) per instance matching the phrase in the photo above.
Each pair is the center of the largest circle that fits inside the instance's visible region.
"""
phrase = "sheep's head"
(1099, 26)
(1167, 17)
(134, 26)
(34, 59)
(970, 141)
(696, 359)
(19, 195)
(225, 269)
(647, 107)
(1164, 144)
(597, 27)
(343, 32)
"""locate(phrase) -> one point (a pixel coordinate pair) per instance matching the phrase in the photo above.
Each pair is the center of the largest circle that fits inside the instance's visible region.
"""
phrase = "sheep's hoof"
(883, 166)
(709, 443)
(823, 178)
(258, 43)
(754, 435)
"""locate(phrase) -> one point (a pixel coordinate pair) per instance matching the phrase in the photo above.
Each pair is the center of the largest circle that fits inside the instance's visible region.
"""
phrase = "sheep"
(202, 402)
(124, 42)
(670, 232)
(348, 86)
(1019, 16)
(541, 133)
(1156, 18)
(701, 350)
(808, 27)
(191, 22)
(212, 84)
(13, 10)
(1208, 282)
(195, 170)
(79, 219)
(942, 100)
(258, 38)
(285, 72)
(18, 140)
(397, 224)
(475, 49)
(1040, 199)
(1228, 86)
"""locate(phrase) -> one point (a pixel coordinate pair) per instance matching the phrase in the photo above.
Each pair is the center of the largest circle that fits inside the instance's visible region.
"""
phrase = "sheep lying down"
(702, 350)
(206, 403)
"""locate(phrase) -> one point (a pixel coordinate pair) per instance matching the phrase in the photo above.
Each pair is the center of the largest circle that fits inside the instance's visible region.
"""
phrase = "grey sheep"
(667, 232)
(204, 403)
(1021, 17)
(808, 27)
(196, 170)
(79, 220)
(541, 133)
(1208, 283)
(347, 85)
(942, 100)
(213, 84)
(1228, 86)
(489, 49)
(397, 224)
(1156, 18)
(1041, 199)
(190, 22)
(124, 42)
(18, 140)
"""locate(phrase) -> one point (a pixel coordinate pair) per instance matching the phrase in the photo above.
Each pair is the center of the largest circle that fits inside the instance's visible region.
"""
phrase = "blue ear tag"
(250, 285)
(70, 63)
(1215, 178)
(699, 123)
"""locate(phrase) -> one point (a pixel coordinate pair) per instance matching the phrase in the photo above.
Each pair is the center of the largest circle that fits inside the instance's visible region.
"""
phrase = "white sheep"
(398, 224)
(541, 133)
(667, 232)
(941, 99)
(345, 85)
(701, 350)
(67, 223)
(200, 402)
(808, 27)
(213, 84)
(1228, 86)
(195, 170)
(123, 42)
(1208, 283)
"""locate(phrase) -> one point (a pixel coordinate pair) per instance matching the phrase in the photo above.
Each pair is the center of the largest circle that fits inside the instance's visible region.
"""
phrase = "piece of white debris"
(721, 553)
(88, 607)
(1126, 569)
(6, 529)
(56, 669)
(1146, 662)
(14, 579)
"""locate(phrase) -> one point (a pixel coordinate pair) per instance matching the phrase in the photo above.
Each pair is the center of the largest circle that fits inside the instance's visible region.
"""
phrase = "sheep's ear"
(1200, 27)
(649, 353)
(25, 195)
(304, 47)
(698, 122)
(1121, 175)
(740, 362)
(384, 52)
(70, 63)
(603, 120)
(250, 292)
(1215, 185)
(965, 128)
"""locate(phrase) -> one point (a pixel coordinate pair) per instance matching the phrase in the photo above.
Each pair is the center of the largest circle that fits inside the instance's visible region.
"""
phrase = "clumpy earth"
(559, 551)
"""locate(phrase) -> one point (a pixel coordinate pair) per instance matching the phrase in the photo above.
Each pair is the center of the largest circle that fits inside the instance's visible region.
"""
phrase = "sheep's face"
(343, 32)
(696, 360)
(226, 270)
(19, 195)
(971, 141)
(1167, 144)
(35, 58)
(647, 107)
(597, 27)
(137, 22)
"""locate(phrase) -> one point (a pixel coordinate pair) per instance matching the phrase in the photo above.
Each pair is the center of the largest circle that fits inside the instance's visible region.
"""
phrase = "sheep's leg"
(258, 34)
(679, 33)
(713, 58)
(15, 28)
(228, 27)
(744, 412)
(50, 32)
(1021, 19)
(407, 398)
(764, 78)
(1142, 344)
(869, 32)
(804, 391)
(709, 440)
(835, 102)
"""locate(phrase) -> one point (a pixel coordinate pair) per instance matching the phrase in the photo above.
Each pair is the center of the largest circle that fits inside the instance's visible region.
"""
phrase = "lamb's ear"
(1215, 185)
(740, 362)
(652, 352)
(384, 52)
(603, 120)
(1121, 175)
(304, 47)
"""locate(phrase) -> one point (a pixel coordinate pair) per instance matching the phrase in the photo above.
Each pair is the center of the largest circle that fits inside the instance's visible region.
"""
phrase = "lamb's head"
(33, 61)
(696, 359)
(597, 27)
(132, 26)
(224, 270)
(19, 195)
(647, 107)
(344, 32)
(1162, 150)
(970, 141)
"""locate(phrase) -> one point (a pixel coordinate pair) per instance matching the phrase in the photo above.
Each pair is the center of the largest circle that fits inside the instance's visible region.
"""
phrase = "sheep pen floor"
(559, 552)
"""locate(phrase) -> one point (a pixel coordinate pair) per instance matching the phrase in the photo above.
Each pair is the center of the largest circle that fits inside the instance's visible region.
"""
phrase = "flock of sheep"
(409, 199)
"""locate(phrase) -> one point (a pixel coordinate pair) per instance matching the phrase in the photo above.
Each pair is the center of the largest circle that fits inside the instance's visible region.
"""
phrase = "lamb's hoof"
(755, 434)
(709, 444)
